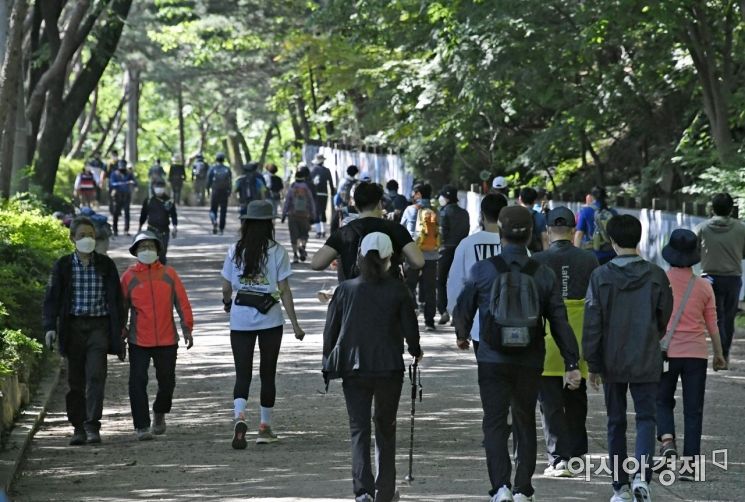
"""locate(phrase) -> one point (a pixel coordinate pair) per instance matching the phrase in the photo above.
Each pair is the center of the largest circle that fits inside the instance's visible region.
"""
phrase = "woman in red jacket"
(151, 291)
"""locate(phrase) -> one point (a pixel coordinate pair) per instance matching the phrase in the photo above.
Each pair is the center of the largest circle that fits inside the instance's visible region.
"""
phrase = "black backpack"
(275, 184)
(251, 187)
(536, 242)
(514, 323)
(200, 170)
(221, 180)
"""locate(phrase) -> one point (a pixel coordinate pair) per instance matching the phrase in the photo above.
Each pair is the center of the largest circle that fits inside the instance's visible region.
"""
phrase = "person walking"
(299, 210)
(343, 205)
(592, 225)
(151, 291)
(199, 178)
(155, 173)
(628, 304)
(393, 202)
(454, 227)
(722, 241)
(275, 185)
(512, 349)
(250, 186)
(539, 240)
(85, 187)
(121, 185)
(564, 411)
(84, 310)
(257, 269)
(481, 245)
(323, 186)
(219, 184)
(368, 320)
(176, 177)
(685, 346)
(159, 211)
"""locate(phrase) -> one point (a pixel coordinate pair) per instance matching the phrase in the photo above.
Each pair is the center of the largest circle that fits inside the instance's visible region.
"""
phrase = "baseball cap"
(561, 216)
(377, 241)
(450, 193)
(516, 220)
(499, 182)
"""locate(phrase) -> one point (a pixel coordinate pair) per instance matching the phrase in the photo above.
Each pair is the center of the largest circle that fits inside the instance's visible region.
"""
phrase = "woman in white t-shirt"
(257, 269)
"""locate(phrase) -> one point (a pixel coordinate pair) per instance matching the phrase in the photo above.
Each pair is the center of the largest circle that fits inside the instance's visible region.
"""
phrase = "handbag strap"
(665, 343)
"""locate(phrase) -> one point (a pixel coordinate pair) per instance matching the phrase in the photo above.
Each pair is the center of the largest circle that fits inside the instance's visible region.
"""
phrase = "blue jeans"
(727, 295)
(644, 396)
(692, 372)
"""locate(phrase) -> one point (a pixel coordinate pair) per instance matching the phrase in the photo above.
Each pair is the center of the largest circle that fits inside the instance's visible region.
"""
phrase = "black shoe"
(222, 231)
(668, 449)
(303, 255)
(295, 259)
(429, 326)
(159, 424)
(78, 437)
(214, 229)
(93, 436)
(239, 435)
(444, 318)
(318, 235)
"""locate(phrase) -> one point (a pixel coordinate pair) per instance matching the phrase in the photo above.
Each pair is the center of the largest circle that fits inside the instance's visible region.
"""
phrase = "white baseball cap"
(377, 241)
(499, 182)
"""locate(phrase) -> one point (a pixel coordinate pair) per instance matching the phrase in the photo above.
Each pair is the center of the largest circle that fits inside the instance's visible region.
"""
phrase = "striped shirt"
(88, 294)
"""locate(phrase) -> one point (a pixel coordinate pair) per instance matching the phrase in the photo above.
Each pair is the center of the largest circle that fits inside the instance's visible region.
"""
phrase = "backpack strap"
(499, 264)
(531, 267)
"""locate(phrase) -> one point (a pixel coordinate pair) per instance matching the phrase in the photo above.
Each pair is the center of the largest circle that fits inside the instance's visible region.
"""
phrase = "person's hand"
(125, 333)
(188, 339)
(595, 380)
(49, 339)
(463, 344)
(720, 363)
(122, 355)
(418, 358)
(299, 333)
(573, 379)
(226, 305)
(174, 232)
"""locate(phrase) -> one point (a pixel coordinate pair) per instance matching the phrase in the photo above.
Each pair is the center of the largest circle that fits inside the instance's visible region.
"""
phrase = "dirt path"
(194, 461)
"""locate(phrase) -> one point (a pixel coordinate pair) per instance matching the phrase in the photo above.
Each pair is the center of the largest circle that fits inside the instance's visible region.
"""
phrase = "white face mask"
(442, 200)
(159, 191)
(86, 245)
(147, 256)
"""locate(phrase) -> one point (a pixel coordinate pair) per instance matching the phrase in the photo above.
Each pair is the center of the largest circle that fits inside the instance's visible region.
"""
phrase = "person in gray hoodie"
(722, 241)
(627, 307)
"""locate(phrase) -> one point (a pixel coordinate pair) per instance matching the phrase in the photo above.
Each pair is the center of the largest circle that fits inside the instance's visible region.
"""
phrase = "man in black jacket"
(454, 227)
(512, 379)
(627, 307)
(323, 185)
(83, 307)
(158, 211)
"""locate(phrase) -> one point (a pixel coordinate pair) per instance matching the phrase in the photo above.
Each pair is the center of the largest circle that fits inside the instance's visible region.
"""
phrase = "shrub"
(18, 353)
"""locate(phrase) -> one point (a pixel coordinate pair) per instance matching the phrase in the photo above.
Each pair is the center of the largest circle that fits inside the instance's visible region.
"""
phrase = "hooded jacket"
(627, 307)
(454, 225)
(722, 241)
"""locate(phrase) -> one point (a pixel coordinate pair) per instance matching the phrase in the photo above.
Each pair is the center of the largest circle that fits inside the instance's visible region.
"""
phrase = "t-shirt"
(346, 242)
(474, 248)
(277, 269)
(586, 225)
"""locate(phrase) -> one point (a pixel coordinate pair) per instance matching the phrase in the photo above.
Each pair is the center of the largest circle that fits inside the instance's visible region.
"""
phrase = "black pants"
(692, 373)
(727, 296)
(243, 343)
(164, 236)
(219, 200)
(199, 189)
(121, 202)
(563, 414)
(86, 345)
(176, 187)
(502, 386)
(443, 269)
(427, 287)
(164, 360)
(359, 394)
(321, 203)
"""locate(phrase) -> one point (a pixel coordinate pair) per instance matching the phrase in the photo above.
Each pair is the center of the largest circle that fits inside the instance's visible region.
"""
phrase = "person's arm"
(289, 304)
(331, 181)
(183, 307)
(312, 201)
(467, 306)
(409, 322)
(210, 178)
(592, 330)
(174, 216)
(52, 301)
(414, 256)
(456, 277)
(444, 225)
(323, 257)
(664, 305)
(144, 211)
(544, 240)
(578, 236)
(227, 294)
(556, 313)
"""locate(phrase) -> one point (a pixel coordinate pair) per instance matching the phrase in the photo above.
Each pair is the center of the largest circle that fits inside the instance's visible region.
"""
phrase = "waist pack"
(263, 302)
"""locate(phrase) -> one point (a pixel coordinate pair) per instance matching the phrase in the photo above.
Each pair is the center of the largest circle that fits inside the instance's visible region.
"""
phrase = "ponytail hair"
(373, 268)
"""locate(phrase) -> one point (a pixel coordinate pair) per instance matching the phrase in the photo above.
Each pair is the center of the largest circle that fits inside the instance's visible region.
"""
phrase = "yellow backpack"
(428, 230)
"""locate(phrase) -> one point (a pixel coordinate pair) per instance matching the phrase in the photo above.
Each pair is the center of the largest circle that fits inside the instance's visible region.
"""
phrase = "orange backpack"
(428, 230)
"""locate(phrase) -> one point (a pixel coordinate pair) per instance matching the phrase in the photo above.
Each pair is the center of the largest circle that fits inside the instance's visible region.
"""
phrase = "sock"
(323, 227)
(266, 415)
(239, 406)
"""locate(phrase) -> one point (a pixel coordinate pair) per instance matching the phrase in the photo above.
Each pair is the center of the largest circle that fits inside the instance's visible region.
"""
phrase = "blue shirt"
(121, 182)
(586, 225)
(88, 294)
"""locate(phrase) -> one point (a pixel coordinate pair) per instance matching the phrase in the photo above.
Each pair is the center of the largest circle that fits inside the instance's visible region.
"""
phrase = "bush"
(18, 353)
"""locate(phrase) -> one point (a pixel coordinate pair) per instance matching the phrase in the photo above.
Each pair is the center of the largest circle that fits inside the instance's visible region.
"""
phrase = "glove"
(122, 355)
(50, 338)
(188, 340)
(174, 232)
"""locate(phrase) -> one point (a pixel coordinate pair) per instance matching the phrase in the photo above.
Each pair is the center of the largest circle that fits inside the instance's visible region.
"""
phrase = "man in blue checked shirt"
(83, 306)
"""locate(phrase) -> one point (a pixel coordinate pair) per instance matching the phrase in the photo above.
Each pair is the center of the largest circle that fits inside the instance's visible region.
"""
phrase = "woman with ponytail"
(257, 269)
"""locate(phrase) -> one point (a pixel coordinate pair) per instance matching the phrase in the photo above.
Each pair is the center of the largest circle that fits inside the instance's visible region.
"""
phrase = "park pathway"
(311, 462)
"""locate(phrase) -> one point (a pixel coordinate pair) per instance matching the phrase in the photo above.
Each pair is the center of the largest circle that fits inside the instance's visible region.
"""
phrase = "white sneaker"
(622, 495)
(519, 497)
(365, 497)
(640, 490)
(504, 494)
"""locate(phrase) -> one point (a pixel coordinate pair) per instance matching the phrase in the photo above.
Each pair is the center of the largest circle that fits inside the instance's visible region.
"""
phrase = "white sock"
(239, 406)
(266, 415)
(318, 227)
(323, 227)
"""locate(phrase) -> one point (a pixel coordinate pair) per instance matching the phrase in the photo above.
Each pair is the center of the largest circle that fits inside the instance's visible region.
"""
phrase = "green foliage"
(18, 352)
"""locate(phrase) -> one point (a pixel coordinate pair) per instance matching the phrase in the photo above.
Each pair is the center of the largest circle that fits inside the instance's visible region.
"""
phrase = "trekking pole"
(416, 387)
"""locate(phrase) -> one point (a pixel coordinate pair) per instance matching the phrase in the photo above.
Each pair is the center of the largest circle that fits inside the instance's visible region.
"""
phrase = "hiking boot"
(143, 434)
(668, 449)
(159, 423)
(239, 435)
(640, 490)
(622, 495)
(519, 497)
(444, 318)
(92, 436)
(504, 494)
(266, 435)
(78, 437)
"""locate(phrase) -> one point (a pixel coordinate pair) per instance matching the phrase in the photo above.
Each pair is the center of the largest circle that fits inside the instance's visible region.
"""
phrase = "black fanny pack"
(263, 302)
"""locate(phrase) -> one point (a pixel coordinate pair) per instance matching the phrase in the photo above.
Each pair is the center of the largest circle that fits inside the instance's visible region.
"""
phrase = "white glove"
(49, 338)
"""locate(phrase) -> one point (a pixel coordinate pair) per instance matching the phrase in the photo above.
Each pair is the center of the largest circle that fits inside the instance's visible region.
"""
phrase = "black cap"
(561, 216)
(516, 220)
(450, 193)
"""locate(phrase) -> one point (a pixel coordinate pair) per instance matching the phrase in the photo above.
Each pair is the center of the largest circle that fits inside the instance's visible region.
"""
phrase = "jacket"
(454, 225)
(157, 212)
(58, 300)
(320, 178)
(722, 241)
(476, 296)
(366, 325)
(150, 294)
(627, 307)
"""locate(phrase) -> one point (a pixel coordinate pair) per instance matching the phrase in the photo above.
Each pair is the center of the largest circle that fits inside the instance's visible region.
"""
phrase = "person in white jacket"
(476, 247)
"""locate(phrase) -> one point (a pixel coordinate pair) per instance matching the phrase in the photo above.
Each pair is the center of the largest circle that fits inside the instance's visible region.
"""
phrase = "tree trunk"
(244, 146)
(105, 130)
(117, 130)
(181, 135)
(305, 125)
(133, 113)
(5, 8)
(85, 129)
(267, 140)
(233, 143)
(19, 178)
(295, 126)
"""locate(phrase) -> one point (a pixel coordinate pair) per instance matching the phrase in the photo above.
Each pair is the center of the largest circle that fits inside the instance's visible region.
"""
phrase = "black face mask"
(122, 170)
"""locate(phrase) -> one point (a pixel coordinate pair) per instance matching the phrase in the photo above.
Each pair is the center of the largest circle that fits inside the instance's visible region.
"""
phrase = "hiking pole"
(416, 387)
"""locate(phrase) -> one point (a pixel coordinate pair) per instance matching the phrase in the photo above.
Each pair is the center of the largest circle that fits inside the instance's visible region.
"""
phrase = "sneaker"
(365, 497)
(559, 470)
(504, 494)
(318, 235)
(519, 497)
(303, 254)
(239, 435)
(640, 490)
(92, 436)
(222, 231)
(78, 437)
(214, 229)
(668, 449)
(144, 434)
(266, 435)
(444, 318)
(159, 425)
(622, 495)
(295, 259)
(429, 326)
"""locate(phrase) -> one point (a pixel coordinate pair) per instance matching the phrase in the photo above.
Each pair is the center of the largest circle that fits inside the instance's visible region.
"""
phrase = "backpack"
(600, 239)
(87, 182)
(536, 241)
(251, 187)
(514, 321)
(300, 202)
(200, 170)
(276, 184)
(345, 192)
(221, 180)
(427, 229)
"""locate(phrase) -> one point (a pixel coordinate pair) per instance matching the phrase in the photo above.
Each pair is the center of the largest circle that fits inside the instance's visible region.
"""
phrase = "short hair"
(599, 193)
(367, 195)
(391, 185)
(528, 195)
(271, 168)
(722, 204)
(491, 205)
(425, 189)
(81, 221)
(625, 230)
(352, 170)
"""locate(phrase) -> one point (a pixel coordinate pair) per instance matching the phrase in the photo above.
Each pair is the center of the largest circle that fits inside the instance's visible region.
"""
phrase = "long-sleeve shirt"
(121, 182)
(157, 212)
(699, 316)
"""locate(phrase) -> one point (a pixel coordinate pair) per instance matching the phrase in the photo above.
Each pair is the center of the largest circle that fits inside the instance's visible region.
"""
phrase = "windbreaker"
(722, 241)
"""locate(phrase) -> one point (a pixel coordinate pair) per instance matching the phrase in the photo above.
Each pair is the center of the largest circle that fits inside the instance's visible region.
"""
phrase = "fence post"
(700, 209)
(620, 201)
(688, 207)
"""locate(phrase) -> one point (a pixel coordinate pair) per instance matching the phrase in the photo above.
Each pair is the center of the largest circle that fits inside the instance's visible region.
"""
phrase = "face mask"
(86, 245)
(88, 169)
(147, 256)
(159, 191)
(442, 200)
